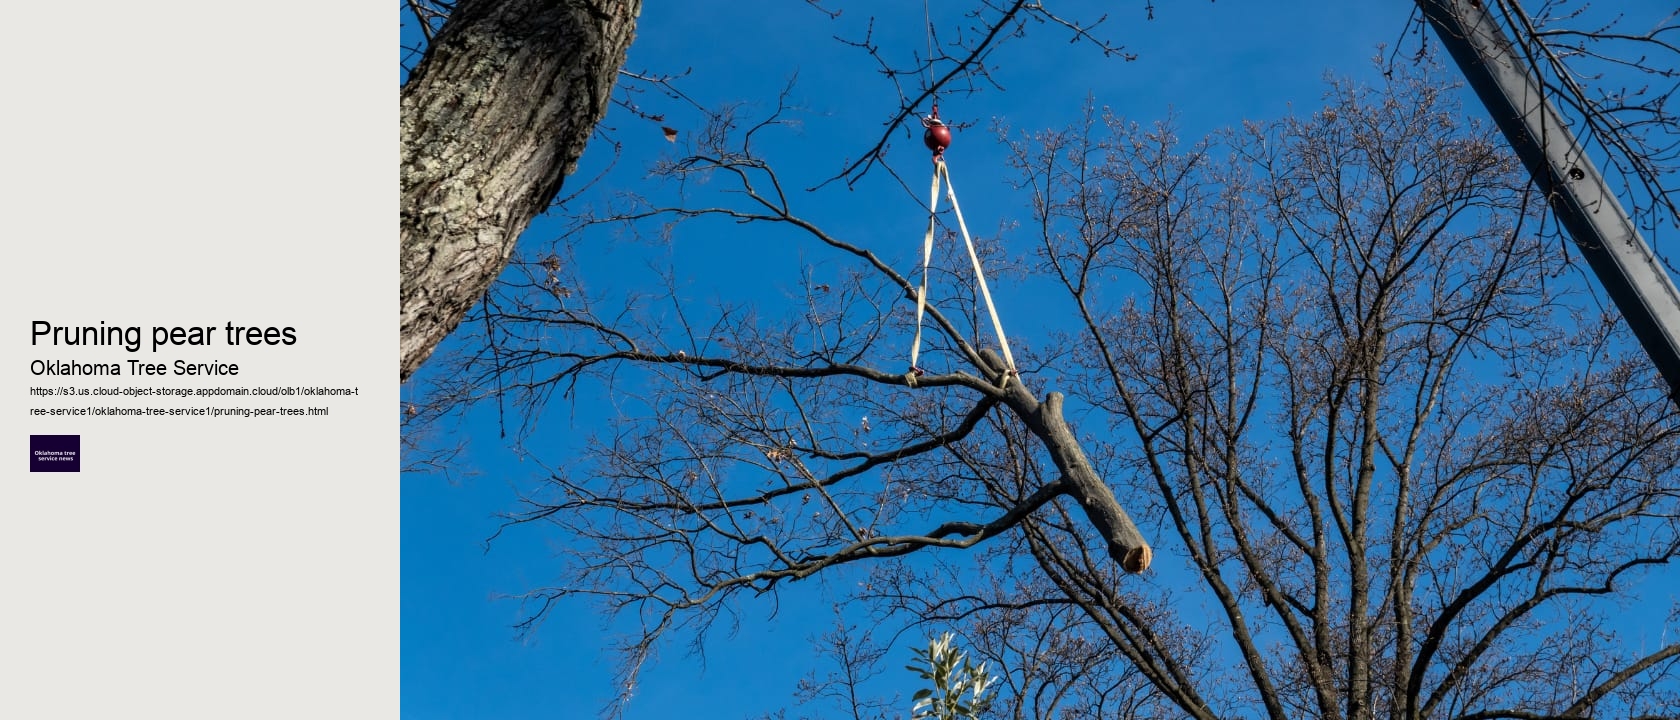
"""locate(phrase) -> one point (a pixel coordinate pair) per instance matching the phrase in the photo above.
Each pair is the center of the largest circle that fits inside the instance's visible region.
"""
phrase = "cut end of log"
(1137, 559)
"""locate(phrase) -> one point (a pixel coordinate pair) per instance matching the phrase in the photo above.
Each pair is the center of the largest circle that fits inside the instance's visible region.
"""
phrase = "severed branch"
(1125, 543)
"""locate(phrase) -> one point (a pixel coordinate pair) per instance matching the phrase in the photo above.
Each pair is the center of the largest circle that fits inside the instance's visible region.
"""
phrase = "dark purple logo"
(55, 453)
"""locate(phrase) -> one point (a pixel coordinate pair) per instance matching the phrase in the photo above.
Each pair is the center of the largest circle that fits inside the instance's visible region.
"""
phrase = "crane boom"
(1561, 168)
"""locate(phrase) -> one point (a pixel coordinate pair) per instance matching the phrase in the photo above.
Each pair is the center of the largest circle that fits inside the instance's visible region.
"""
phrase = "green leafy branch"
(954, 679)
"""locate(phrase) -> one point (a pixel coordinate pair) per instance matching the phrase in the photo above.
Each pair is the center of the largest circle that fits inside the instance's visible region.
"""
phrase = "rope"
(927, 29)
(941, 171)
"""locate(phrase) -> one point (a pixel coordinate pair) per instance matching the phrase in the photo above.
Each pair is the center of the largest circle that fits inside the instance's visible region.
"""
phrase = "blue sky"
(1210, 65)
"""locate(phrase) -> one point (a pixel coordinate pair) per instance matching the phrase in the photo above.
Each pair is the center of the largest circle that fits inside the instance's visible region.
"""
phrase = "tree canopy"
(1335, 368)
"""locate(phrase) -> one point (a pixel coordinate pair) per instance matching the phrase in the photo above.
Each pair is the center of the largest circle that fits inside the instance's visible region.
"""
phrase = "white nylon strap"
(927, 256)
(979, 275)
(940, 170)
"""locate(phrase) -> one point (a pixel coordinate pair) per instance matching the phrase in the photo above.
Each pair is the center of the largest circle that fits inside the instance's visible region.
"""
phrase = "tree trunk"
(493, 119)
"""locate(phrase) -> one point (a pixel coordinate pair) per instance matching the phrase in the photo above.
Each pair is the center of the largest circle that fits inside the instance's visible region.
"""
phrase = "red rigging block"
(937, 137)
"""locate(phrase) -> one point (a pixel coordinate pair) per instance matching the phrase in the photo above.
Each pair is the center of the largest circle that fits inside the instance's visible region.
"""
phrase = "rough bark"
(493, 119)
(1125, 542)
